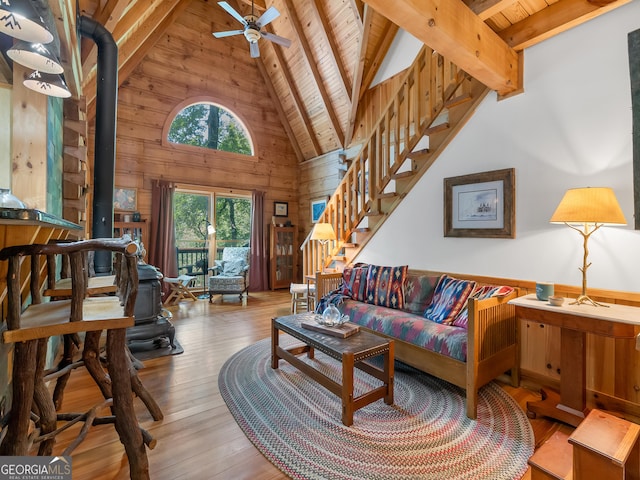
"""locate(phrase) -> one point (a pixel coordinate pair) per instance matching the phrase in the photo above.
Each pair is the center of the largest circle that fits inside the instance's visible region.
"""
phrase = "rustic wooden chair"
(29, 331)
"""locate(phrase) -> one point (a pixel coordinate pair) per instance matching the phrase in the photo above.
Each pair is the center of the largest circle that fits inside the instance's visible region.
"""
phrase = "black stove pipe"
(105, 141)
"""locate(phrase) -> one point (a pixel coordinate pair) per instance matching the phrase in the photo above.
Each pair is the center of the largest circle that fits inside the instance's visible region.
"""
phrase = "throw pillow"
(233, 268)
(354, 282)
(481, 292)
(449, 298)
(385, 286)
(418, 292)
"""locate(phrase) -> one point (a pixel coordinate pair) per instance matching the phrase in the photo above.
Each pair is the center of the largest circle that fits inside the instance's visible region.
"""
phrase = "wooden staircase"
(434, 101)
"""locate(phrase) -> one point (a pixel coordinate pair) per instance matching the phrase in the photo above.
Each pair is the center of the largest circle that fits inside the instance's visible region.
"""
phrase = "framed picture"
(280, 209)
(125, 199)
(317, 208)
(480, 205)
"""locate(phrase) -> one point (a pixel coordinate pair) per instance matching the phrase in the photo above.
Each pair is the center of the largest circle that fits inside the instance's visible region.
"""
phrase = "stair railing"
(417, 105)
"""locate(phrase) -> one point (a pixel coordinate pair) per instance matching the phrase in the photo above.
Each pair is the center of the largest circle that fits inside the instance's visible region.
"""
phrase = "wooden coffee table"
(352, 351)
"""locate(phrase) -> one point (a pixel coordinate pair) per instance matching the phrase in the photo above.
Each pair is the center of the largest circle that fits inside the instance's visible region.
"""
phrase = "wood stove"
(153, 327)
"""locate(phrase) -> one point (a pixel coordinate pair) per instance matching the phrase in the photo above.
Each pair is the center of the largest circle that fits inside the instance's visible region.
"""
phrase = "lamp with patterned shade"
(48, 84)
(323, 233)
(19, 19)
(35, 56)
(586, 210)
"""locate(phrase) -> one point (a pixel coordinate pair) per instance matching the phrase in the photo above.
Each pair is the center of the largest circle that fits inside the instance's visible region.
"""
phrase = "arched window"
(208, 125)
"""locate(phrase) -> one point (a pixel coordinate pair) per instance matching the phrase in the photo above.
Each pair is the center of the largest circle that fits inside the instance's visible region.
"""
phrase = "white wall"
(571, 128)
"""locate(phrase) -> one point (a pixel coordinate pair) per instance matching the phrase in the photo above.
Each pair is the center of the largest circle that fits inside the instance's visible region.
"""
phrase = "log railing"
(392, 152)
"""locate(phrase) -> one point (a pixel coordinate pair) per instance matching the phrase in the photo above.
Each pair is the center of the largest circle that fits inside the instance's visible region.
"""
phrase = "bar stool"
(301, 295)
(29, 332)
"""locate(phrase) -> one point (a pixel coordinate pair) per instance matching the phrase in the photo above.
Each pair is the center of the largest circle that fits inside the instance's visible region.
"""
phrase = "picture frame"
(480, 205)
(317, 208)
(125, 199)
(280, 209)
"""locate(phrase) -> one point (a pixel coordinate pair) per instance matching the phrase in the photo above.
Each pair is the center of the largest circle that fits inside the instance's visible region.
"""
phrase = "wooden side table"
(575, 321)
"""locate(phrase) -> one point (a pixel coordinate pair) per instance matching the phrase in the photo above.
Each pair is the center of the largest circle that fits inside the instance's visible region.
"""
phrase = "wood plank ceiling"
(337, 48)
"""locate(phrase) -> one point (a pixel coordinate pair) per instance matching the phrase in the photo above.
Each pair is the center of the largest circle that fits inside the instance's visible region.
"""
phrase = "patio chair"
(230, 276)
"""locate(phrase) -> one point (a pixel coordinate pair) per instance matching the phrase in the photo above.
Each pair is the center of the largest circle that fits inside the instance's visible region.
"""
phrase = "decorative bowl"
(556, 301)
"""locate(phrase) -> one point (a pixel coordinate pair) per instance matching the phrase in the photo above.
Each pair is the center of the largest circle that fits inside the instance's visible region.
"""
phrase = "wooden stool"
(30, 330)
(554, 459)
(300, 296)
(605, 446)
(179, 289)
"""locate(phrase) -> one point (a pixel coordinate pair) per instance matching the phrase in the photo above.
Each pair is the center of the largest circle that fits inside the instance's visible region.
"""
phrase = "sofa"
(460, 330)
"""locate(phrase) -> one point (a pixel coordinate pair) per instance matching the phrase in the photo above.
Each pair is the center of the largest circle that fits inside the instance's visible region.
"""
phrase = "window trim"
(212, 100)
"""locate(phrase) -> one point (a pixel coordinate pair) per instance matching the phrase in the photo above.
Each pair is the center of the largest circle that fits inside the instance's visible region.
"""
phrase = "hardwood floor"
(198, 438)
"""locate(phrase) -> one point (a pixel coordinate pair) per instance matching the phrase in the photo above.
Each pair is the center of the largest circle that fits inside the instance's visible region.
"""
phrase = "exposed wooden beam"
(64, 11)
(381, 49)
(334, 51)
(311, 64)
(358, 10)
(281, 113)
(488, 8)
(455, 32)
(554, 19)
(281, 65)
(107, 17)
(136, 46)
(358, 73)
(259, 4)
(298, 102)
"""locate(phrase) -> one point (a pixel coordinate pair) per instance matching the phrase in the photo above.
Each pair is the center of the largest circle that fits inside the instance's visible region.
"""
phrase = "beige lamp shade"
(323, 232)
(590, 205)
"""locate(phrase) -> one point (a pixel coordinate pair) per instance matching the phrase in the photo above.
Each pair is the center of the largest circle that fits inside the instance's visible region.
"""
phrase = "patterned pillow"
(385, 286)
(418, 292)
(449, 298)
(354, 282)
(481, 292)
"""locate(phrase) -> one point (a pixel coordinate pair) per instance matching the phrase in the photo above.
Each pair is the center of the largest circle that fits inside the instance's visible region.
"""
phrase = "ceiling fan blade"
(285, 42)
(255, 50)
(227, 34)
(231, 11)
(268, 16)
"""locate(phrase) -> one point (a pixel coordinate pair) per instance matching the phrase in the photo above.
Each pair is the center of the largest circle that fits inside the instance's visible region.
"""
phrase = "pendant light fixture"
(19, 19)
(49, 84)
(35, 56)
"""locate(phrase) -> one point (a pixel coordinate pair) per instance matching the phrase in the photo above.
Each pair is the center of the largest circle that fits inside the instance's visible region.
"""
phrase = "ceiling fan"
(253, 25)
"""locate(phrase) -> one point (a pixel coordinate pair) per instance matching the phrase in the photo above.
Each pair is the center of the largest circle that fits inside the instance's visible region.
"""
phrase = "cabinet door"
(282, 256)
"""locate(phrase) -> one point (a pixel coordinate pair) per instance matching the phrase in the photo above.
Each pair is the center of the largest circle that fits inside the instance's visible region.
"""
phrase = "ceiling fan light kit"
(253, 27)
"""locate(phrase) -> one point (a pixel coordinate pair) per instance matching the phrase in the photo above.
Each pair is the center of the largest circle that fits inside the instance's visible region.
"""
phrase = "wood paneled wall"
(185, 65)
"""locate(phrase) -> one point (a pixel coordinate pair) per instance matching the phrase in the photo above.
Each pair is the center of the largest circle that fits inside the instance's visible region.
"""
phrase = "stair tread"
(408, 173)
(555, 457)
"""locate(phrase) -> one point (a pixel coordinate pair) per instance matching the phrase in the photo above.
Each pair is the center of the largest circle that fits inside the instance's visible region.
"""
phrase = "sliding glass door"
(206, 221)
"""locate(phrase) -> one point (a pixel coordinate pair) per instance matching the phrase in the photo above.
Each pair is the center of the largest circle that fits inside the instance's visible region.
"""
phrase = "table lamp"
(323, 233)
(586, 210)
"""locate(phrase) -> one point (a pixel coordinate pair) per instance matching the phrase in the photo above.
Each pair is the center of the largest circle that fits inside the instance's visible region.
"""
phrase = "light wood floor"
(198, 438)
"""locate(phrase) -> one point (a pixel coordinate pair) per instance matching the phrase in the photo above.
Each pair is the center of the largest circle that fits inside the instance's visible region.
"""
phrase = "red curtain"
(258, 280)
(162, 251)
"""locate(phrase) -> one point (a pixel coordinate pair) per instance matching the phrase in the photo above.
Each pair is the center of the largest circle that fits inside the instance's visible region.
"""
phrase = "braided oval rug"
(295, 423)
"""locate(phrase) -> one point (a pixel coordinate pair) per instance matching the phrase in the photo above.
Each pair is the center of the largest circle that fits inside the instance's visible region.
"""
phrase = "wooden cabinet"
(283, 251)
(139, 231)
